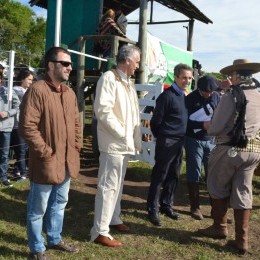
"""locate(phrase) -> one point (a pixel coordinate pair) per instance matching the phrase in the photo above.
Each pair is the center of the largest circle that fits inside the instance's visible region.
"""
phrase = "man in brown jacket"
(49, 122)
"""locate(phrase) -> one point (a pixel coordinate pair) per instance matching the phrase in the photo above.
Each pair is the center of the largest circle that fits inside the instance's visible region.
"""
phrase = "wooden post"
(142, 39)
(190, 35)
(80, 83)
(114, 45)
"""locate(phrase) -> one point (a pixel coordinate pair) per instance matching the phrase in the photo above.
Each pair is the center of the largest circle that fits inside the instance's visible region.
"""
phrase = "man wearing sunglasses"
(49, 122)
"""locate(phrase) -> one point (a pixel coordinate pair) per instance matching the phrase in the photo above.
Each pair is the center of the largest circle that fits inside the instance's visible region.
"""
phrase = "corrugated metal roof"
(185, 7)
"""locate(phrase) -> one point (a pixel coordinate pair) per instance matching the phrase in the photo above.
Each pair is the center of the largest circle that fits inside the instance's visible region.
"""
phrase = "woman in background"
(24, 80)
(107, 26)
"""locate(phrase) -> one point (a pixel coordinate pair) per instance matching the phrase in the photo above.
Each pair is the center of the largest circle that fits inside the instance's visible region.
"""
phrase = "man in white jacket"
(117, 111)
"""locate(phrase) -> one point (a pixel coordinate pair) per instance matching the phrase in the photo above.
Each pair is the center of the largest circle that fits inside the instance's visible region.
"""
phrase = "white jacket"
(117, 111)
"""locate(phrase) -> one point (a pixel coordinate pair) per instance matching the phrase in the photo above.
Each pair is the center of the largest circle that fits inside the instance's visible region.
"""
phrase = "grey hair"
(179, 67)
(126, 51)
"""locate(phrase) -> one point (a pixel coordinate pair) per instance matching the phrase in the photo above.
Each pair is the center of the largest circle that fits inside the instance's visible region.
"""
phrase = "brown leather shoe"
(106, 241)
(38, 256)
(120, 227)
(62, 246)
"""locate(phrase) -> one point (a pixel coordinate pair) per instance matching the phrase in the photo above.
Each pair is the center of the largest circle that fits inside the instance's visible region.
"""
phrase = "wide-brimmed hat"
(241, 64)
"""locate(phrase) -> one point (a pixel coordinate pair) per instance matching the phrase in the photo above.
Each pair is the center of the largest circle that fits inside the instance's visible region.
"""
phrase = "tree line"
(22, 31)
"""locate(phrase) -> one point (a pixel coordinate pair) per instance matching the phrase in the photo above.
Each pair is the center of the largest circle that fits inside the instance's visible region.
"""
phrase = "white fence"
(149, 94)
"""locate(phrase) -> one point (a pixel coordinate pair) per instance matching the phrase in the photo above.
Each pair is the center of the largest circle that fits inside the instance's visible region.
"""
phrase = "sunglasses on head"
(63, 63)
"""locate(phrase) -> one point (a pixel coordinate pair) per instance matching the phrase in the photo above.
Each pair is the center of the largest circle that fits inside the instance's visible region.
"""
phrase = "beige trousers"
(232, 176)
(111, 174)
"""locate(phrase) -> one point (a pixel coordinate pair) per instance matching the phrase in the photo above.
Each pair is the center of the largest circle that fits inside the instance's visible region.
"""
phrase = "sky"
(234, 34)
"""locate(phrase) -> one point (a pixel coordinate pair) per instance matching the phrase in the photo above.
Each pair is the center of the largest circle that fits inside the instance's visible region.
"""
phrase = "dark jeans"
(4, 154)
(20, 148)
(165, 173)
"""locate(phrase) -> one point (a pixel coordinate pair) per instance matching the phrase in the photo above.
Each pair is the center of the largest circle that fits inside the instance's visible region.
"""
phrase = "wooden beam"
(165, 22)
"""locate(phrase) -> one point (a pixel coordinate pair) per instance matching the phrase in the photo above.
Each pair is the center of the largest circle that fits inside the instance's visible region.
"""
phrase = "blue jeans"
(4, 154)
(45, 208)
(197, 154)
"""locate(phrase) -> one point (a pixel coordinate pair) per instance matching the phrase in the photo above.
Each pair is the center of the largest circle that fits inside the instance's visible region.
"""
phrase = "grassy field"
(174, 240)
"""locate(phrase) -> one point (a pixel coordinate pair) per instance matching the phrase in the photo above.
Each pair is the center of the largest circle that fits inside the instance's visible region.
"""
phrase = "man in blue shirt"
(198, 144)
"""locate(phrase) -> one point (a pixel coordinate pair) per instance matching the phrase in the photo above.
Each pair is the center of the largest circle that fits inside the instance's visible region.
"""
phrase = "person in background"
(236, 127)
(24, 81)
(221, 89)
(1, 78)
(8, 111)
(2, 73)
(50, 124)
(201, 104)
(119, 136)
(17, 68)
(168, 125)
(107, 26)
(2, 68)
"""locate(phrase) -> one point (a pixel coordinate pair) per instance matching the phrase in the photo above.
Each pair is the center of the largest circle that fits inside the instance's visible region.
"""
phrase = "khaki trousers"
(232, 176)
(111, 176)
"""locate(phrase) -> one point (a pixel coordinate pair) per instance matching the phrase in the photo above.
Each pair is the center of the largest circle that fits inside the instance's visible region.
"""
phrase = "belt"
(253, 146)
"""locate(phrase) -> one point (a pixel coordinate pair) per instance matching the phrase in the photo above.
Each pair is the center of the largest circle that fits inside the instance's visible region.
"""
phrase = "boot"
(193, 189)
(229, 220)
(219, 213)
(241, 230)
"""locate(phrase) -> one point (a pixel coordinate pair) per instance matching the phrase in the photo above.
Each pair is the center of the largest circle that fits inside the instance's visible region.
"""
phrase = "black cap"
(207, 83)
(1, 66)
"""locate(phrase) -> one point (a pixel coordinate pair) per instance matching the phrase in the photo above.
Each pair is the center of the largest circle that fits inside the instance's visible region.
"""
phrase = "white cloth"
(111, 176)
(122, 22)
(201, 116)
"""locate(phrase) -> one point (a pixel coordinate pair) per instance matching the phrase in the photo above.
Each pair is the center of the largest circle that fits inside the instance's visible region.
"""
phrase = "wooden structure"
(81, 17)
(77, 29)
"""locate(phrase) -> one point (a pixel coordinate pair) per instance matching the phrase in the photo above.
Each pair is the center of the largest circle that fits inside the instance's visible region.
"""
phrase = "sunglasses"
(63, 63)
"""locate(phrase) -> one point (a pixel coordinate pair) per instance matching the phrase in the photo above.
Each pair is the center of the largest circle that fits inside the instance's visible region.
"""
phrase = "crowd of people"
(219, 129)
(11, 141)
(219, 133)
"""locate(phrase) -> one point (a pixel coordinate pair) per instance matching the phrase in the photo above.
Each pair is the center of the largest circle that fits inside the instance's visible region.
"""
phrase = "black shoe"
(170, 213)
(21, 178)
(7, 183)
(38, 256)
(16, 173)
(154, 219)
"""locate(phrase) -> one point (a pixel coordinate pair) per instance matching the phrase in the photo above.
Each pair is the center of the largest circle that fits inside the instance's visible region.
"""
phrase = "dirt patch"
(135, 193)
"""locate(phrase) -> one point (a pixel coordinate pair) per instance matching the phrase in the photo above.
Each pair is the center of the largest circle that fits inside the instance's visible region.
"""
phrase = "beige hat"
(241, 64)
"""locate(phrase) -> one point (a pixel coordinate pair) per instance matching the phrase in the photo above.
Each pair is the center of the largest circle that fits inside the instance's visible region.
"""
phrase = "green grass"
(174, 240)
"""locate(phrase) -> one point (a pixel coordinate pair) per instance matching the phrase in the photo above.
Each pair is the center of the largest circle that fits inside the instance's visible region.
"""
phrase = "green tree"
(22, 31)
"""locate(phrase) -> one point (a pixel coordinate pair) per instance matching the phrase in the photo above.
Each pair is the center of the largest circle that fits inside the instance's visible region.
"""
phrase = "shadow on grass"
(12, 210)
(79, 215)
(7, 252)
